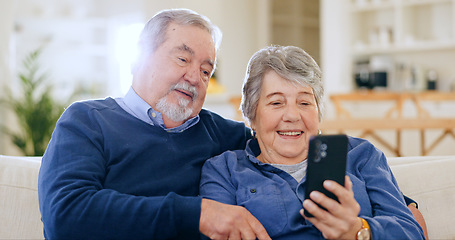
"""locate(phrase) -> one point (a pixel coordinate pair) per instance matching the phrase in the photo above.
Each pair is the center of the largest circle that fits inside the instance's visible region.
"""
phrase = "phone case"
(326, 160)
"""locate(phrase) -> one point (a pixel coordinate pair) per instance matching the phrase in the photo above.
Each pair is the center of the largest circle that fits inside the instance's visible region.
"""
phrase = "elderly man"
(129, 168)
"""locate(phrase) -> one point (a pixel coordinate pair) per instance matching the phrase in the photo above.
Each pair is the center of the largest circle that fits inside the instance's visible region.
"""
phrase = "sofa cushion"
(20, 216)
(428, 180)
(431, 182)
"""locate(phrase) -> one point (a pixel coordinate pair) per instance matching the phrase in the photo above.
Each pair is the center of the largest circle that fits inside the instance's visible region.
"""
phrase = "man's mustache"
(184, 86)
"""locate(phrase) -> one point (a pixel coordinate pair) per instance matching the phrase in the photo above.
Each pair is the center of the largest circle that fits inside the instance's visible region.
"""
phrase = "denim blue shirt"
(136, 106)
(275, 198)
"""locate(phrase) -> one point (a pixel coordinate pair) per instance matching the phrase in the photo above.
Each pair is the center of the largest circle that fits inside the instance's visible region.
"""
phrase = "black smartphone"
(326, 161)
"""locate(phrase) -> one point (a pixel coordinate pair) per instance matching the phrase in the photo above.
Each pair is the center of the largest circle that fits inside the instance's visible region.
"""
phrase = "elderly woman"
(282, 100)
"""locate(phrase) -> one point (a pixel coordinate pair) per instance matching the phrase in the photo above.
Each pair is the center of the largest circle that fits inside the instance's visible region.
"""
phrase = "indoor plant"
(35, 109)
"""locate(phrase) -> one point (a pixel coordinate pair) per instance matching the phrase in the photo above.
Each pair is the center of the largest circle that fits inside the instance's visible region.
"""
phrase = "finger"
(344, 194)
(313, 208)
(247, 234)
(235, 235)
(323, 226)
(329, 225)
(258, 230)
(347, 205)
(348, 183)
(246, 231)
(323, 200)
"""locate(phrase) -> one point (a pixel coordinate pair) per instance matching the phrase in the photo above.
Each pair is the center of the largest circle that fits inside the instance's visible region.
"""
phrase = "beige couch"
(429, 180)
(19, 211)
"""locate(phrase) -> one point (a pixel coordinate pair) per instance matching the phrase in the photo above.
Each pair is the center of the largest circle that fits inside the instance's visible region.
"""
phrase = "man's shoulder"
(89, 108)
(98, 104)
(232, 134)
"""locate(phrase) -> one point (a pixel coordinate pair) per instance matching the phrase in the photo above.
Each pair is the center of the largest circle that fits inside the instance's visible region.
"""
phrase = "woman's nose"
(291, 113)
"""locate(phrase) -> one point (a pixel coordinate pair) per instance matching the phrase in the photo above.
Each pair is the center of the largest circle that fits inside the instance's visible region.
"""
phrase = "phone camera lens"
(323, 147)
(323, 154)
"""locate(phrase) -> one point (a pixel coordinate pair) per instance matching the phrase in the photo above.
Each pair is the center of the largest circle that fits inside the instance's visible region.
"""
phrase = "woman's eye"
(275, 103)
(182, 59)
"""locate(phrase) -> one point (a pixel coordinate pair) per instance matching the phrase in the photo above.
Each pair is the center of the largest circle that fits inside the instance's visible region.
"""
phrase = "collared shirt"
(136, 106)
(275, 198)
(136, 169)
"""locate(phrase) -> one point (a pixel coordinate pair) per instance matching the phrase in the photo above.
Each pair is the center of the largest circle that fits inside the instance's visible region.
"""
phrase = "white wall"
(6, 62)
(245, 25)
(337, 66)
(334, 50)
(79, 50)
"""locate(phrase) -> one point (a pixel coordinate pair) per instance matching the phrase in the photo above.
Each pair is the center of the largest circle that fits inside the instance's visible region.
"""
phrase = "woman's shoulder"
(355, 143)
(362, 151)
(228, 158)
(232, 162)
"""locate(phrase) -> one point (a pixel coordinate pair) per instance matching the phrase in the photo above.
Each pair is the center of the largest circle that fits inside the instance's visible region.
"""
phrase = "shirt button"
(252, 190)
(153, 114)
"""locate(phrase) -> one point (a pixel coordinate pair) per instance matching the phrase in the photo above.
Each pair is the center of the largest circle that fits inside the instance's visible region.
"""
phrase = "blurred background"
(404, 47)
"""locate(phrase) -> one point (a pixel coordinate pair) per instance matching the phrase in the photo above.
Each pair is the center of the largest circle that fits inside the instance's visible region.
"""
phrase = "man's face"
(173, 79)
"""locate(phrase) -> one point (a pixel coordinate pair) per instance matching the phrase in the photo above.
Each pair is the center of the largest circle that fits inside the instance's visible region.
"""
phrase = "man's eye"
(182, 59)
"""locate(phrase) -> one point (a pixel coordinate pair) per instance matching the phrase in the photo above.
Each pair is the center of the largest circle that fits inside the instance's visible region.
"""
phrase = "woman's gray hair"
(291, 63)
(154, 32)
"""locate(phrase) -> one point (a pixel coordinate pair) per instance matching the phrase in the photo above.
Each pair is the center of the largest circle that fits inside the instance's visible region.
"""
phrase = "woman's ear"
(252, 125)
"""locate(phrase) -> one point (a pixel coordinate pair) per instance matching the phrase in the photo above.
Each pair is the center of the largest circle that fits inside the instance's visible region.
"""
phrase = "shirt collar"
(137, 107)
(253, 150)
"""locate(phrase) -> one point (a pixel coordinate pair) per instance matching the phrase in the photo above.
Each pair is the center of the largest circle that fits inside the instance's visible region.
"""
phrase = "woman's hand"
(341, 220)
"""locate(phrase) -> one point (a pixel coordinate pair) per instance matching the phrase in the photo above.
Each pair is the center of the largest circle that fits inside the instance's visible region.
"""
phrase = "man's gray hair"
(154, 32)
(291, 63)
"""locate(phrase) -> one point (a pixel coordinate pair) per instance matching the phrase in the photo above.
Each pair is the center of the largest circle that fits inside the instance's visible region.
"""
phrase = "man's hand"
(223, 221)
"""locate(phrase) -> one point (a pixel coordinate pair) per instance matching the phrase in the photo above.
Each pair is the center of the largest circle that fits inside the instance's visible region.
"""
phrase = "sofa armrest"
(431, 182)
(20, 217)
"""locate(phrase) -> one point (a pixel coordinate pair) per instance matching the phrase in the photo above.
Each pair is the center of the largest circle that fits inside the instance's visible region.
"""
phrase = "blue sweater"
(275, 198)
(109, 175)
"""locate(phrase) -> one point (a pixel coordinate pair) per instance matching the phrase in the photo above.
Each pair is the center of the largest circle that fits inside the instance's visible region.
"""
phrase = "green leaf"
(35, 109)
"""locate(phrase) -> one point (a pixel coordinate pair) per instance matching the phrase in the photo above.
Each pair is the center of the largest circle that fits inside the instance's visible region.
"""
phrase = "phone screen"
(326, 161)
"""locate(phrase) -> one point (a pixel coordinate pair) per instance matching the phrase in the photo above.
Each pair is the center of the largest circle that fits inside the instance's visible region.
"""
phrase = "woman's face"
(286, 118)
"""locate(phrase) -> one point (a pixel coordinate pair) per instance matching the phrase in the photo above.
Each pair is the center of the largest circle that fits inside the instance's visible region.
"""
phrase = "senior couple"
(130, 168)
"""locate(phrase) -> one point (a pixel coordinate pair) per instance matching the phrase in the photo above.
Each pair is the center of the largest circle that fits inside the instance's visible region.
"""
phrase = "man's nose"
(192, 75)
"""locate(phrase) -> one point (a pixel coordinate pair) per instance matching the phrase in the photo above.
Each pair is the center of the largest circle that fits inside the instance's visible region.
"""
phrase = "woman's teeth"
(290, 133)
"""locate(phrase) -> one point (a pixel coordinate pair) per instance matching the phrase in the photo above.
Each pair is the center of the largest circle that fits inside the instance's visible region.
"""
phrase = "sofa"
(429, 180)
(19, 211)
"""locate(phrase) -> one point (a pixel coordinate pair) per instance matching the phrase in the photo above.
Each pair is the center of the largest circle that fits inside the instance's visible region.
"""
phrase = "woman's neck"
(267, 158)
